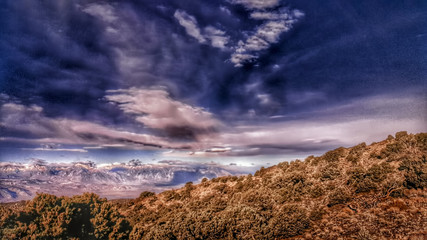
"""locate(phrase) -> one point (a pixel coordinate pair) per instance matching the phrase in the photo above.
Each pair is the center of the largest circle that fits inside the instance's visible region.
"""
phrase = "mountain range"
(121, 180)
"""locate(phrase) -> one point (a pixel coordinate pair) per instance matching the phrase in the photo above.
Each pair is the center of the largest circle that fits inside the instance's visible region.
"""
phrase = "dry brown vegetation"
(364, 192)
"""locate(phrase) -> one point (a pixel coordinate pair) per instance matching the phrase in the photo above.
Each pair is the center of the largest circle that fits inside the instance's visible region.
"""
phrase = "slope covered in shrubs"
(375, 191)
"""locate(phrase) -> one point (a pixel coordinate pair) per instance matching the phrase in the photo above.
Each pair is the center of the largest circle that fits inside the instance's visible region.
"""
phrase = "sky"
(220, 80)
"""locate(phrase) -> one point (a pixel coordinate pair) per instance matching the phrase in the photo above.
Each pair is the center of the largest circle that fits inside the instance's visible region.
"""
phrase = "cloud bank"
(218, 78)
(30, 125)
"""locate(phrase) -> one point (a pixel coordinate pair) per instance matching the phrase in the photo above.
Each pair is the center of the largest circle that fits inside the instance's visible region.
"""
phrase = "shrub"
(189, 186)
(138, 232)
(401, 135)
(415, 172)
(378, 173)
(392, 149)
(239, 222)
(316, 191)
(329, 172)
(85, 217)
(234, 178)
(356, 152)
(334, 155)
(309, 159)
(283, 165)
(146, 194)
(288, 221)
(296, 165)
(338, 196)
(365, 181)
(317, 213)
(261, 172)
(421, 139)
(171, 195)
(221, 187)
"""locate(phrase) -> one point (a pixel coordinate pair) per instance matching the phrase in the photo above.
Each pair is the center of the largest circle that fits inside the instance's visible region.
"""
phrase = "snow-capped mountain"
(21, 181)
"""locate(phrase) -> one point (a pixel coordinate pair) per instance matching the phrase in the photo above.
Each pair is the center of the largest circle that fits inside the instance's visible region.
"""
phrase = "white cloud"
(124, 38)
(275, 23)
(53, 131)
(266, 34)
(209, 35)
(256, 4)
(190, 25)
(102, 11)
(57, 149)
(217, 37)
(239, 58)
(370, 119)
(225, 9)
(264, 99)
(310, 135)
(367, 120)
(155, 109)
(302, 97)
(281, 14)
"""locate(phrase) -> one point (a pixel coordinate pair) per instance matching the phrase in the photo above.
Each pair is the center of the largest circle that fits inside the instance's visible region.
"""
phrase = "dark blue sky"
(229, 78)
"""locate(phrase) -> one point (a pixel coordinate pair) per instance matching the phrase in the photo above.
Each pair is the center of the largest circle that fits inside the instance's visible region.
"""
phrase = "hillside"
(375, 191)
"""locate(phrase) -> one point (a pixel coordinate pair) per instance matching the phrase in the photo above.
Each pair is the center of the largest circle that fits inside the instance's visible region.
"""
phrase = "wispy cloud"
(103, 11)
(57, 149)
(275, 22)
(257, 4)
(29, 124)
(217, 38)
(280, 14)
(268, 33)
(330, 127)
(209, 35)
(190, 25)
